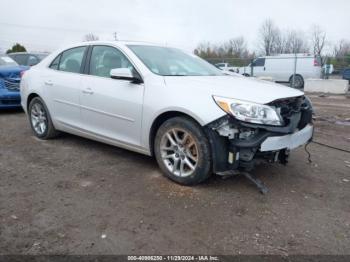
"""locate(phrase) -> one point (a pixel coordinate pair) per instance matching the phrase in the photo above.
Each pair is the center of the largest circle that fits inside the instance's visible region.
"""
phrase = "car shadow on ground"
(11, 111)
(150, 166)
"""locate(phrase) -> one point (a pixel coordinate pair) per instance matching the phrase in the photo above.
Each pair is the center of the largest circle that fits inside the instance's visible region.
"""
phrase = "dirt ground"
(75, 196)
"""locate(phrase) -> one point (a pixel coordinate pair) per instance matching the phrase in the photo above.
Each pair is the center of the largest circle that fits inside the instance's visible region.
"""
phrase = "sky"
(45, 25)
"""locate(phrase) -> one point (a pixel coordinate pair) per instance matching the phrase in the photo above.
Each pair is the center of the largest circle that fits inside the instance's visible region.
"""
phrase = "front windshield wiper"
(175, 75)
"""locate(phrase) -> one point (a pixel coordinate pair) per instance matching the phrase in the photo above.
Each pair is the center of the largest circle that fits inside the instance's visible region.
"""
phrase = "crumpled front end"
(238, 145)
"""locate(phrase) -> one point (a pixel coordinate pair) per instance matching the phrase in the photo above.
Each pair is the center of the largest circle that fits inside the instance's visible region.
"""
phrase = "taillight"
(21, 73)
(316, 62)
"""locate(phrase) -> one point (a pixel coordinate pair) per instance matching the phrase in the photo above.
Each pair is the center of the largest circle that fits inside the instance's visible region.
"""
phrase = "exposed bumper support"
(290, 141)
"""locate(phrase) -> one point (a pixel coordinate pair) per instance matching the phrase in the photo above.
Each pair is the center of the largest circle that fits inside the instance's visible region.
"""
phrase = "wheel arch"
(31, 96)
(291, 77)
(160, 119)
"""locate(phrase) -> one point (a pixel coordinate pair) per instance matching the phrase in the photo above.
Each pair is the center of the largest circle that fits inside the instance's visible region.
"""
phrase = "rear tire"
(182, 151)
(298, 81)
(40, 119)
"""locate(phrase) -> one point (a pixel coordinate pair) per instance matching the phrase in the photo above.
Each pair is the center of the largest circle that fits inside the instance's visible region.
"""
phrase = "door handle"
(264, 68)
(48, 83)
(88, 91)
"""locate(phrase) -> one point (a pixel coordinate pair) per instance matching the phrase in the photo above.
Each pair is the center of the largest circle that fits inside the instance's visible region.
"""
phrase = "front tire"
(40, 119)
(182, 151)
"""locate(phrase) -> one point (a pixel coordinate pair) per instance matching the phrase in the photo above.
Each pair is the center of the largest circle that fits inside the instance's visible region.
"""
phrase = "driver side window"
(259, 62)
(105, 58)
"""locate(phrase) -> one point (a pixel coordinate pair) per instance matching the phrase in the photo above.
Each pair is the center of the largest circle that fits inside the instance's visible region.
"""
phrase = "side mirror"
(125, 74)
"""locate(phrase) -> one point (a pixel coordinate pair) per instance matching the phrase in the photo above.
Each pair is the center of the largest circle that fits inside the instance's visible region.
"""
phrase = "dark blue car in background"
(346, 74)
(10, 76)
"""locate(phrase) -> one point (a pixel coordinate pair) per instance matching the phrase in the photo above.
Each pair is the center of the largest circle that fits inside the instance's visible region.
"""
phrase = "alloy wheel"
(179, 152)
(38, 118)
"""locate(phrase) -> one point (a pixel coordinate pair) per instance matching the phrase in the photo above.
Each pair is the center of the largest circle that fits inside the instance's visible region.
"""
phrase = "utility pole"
(115, 36)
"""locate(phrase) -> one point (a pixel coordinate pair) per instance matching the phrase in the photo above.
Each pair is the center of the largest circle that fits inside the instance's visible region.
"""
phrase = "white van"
(281, 68)
(226, 67)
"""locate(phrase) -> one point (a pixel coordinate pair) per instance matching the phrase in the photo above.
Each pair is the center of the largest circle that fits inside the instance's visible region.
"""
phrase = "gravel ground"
(75, 196)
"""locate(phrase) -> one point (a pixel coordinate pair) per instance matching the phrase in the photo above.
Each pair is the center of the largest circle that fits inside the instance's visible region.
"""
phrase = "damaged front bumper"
(238, 145)
(291, 141)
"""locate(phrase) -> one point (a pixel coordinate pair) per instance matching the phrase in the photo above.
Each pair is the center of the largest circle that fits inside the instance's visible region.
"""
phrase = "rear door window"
(71, 60)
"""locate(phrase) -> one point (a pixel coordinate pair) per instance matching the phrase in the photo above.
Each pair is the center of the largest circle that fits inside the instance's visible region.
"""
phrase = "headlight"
(249, 112)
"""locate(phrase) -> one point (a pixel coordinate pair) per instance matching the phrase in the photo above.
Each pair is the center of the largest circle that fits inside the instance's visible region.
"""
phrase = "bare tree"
(268, 36)
(342, 48)
(205, 50)
(318, 40)
(237, 47)
(280, 44)
(295, 42)
(90, 37)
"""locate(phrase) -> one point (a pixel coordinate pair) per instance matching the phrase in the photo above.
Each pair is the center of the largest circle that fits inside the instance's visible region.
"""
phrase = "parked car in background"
(162, 101)
(27, 59)
(10, 76)
(328, 69)
(226, 67)
(346, 74)
(281, 68)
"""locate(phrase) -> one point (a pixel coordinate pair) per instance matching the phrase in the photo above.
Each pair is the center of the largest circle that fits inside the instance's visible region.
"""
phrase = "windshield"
(7, 61)
(168, 61)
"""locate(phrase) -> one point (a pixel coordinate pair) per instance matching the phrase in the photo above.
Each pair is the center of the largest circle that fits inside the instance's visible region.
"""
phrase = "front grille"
(12, 85)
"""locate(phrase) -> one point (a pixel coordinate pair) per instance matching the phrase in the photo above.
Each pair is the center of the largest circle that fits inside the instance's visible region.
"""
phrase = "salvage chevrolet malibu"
(168, 103)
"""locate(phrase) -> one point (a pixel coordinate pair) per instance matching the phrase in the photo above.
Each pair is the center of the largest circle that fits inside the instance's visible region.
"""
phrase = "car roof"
(289, 55)
(28, 53)
(115, 43)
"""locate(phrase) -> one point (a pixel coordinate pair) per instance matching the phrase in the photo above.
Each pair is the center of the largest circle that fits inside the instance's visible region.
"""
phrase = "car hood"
(12, 71)
(243, 88)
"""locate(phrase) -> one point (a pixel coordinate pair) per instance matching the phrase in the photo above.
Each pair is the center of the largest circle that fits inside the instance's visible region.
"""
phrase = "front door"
(111, 108)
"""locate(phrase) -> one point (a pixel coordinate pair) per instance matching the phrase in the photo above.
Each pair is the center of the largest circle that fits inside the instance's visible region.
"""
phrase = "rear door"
(63, 85)
(111, 108)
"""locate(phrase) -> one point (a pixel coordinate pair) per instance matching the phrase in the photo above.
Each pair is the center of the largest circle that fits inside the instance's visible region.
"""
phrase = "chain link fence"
(291, 69)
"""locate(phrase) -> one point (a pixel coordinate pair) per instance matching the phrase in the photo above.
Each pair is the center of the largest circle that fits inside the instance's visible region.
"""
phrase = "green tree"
(348, 58)
(16, 48)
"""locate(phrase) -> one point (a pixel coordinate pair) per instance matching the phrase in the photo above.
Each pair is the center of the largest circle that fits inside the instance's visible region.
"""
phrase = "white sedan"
(164, 102)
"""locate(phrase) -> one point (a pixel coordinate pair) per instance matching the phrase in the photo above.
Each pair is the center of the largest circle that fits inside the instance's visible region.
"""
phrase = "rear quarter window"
(54, 64)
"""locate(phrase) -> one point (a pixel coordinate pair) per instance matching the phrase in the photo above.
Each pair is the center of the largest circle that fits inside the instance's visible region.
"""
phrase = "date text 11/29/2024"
(173, 258)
